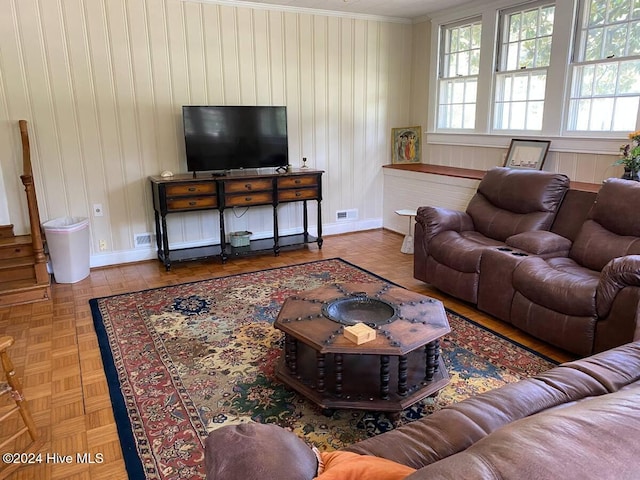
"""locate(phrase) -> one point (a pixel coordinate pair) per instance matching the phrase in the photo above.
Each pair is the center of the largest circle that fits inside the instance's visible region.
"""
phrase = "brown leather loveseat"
(579, 420)
(576, 286)
(449, 243)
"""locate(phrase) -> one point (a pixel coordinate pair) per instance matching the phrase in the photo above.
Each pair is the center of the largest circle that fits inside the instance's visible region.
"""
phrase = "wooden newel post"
(32, 203)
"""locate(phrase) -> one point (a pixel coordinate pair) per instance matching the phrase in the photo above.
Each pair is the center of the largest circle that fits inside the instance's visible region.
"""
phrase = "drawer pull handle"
(297, 181)
(248, 186)
(298, 194)
(247, 199)
(193, 204)
(192, 189)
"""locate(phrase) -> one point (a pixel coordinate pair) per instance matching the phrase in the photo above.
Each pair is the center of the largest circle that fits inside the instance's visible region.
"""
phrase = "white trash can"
(68, 244)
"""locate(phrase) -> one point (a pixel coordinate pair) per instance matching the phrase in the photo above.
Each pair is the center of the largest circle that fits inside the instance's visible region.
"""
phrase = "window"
(605, 83)
(459, 68)
(523, 59)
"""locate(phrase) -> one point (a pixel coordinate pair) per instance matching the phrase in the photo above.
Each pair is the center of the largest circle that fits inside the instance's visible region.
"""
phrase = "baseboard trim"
(105, 259)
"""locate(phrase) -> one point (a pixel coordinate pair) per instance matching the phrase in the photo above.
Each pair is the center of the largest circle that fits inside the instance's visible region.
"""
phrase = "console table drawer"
(191, 203)
(191, 189)
(295, 182)
(247, 199)
(235, 186)
(297, 194)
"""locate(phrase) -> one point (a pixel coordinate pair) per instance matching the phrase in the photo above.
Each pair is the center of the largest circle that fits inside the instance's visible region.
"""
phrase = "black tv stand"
(181, 194)
(281, 168)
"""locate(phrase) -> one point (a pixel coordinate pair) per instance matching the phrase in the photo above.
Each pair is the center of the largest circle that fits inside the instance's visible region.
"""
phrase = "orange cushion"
(352, 466)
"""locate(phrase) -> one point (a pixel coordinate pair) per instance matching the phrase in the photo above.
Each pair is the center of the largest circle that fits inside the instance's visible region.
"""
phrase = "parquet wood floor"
(56, 351)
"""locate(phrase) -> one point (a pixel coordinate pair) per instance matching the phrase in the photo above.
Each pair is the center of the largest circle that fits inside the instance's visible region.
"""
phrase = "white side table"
(407, 244)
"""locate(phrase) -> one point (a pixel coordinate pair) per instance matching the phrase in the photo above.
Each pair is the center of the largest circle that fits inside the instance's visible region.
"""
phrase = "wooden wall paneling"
(87, 126)
(374, 145)
(188, 227)
(141, 204)
(411, 190)
(246, 56)
(214, 76)
(68, 171)
(262, 57)
(124, 201)
(105, 156)
(332, 183)
(195, 51)
(360, 178)
(319, 67)
(106, 82)
(13, 99)
(166, 122)
(276, 58)
(230, 61)
(346, 113)
(33, 57)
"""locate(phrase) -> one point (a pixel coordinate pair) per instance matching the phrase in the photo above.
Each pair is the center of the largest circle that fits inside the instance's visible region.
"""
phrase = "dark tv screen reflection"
(220, 138)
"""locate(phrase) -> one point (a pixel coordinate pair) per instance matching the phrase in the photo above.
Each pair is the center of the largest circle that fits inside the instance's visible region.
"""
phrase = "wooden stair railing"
(42, 276)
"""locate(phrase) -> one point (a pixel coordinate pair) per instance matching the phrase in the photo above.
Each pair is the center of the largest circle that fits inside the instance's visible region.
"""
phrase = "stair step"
(17, 292)
(6, 231)
(16, 247)
(20, 268)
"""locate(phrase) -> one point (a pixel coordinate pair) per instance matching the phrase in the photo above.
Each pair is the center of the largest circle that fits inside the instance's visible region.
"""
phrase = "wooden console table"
(188, 193)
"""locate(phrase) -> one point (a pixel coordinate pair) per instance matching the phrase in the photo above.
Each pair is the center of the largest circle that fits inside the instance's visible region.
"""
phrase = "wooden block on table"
(359, 333)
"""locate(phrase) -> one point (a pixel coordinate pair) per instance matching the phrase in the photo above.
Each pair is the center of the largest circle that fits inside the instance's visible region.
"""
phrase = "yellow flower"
(634, 135)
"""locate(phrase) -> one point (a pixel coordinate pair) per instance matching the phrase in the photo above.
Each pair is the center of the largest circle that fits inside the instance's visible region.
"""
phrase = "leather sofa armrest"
(255, 451)
(619, 273)
(435, 220)
(541, 243)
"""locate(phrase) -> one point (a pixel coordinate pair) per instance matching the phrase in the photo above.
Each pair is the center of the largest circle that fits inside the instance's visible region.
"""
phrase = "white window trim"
(558, 74)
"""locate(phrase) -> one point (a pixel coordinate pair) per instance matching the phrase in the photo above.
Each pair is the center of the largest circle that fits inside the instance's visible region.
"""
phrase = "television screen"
(219, 138)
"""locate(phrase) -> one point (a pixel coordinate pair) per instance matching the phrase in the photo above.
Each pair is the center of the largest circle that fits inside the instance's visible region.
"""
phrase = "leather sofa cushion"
(595, 246)
(554, 444)
(540, 243)
(509, 202)
(523, 191)
(501, 224)
(458, 426)
(559, 284)
(616, 207)
(460, 251)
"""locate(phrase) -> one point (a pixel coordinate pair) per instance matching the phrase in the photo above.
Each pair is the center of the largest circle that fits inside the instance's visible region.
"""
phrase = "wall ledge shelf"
(469, 173)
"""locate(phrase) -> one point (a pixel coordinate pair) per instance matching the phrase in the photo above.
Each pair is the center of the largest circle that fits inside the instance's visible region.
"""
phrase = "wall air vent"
(347, 215)
(142, 240)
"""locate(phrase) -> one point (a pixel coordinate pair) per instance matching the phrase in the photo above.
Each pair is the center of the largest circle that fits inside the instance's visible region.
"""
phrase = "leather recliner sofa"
(576, 421)
(448, 244)
(588, 300)
(576, 286)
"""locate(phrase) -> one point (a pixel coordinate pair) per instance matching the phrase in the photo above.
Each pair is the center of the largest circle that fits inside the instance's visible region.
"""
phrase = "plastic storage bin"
(239, 239)
(68, 243)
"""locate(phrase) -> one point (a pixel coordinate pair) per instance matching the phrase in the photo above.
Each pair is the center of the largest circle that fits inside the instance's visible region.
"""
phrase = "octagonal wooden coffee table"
(397, 369)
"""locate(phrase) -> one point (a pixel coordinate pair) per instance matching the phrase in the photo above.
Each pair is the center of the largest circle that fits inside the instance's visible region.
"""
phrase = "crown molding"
(303, 10)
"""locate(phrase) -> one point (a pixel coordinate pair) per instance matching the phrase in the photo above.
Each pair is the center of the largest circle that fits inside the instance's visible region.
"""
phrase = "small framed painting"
(406, 144)
(529, 154)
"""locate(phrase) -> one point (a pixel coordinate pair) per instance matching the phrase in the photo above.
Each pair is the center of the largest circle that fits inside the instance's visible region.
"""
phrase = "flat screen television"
(220, 138)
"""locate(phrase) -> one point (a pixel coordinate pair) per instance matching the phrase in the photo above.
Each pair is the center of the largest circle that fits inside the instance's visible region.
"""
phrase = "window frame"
(441, 78)
(578, 61)
(556, 107)
(502, 70)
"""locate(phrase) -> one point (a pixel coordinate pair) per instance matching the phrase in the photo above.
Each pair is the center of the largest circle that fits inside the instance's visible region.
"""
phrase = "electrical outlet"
(103, 245)
(97, 209)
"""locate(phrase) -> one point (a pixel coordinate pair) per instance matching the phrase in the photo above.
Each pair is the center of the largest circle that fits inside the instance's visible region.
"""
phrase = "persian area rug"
(184, 360)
